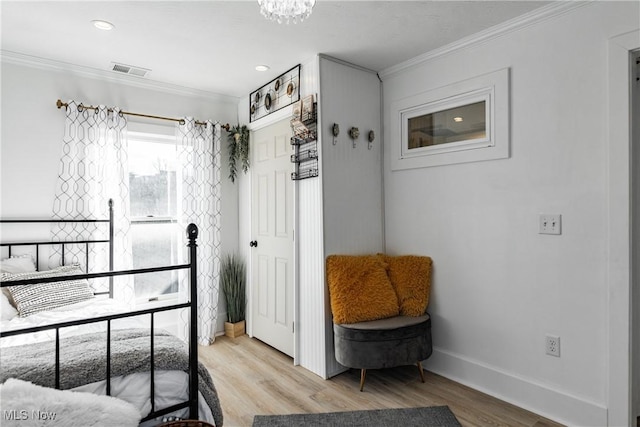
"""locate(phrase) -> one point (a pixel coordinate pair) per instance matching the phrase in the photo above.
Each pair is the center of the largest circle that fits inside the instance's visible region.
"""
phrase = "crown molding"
(538, 15)
(346, 63)
(140, 82)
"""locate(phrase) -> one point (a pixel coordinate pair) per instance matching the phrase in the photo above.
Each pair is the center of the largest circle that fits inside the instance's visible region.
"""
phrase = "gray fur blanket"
(83, 361)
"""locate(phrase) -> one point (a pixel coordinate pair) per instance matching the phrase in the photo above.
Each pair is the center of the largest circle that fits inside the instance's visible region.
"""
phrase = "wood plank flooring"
(253, 378)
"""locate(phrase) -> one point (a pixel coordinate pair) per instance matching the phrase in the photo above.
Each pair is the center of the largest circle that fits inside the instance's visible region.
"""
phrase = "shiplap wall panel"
(351, 175)
(310, 299)
(342, 210)
(311, 277)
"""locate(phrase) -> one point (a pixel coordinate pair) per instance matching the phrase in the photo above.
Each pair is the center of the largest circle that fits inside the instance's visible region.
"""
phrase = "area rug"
(440, 416)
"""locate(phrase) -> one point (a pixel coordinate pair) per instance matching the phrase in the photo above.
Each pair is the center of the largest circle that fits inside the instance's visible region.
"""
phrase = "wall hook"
(354, 133)
(336, 132)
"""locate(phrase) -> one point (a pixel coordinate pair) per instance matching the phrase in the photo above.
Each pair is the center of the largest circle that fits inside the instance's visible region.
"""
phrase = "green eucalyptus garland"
(238, 149)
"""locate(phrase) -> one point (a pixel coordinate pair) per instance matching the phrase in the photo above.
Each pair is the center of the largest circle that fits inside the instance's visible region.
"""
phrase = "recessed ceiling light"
(102, 25)
(262, 67)
(457, 119)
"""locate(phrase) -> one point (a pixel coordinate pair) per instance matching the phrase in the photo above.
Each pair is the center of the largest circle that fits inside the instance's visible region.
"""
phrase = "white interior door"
(272, 233)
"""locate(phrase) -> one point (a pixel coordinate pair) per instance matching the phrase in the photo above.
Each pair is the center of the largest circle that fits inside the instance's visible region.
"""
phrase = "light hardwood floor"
(252, 378)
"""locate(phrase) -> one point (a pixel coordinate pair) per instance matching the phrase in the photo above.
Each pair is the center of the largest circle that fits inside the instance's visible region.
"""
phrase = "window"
(463, 122)
(432, 129)
(154, 180)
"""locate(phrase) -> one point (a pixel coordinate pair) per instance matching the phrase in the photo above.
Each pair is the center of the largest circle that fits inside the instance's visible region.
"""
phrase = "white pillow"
(17, 264)
(7, 311)
(30, 299)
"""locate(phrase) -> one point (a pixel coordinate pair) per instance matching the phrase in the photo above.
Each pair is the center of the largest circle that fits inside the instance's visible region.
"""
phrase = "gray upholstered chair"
(379, 305)
(384, 343)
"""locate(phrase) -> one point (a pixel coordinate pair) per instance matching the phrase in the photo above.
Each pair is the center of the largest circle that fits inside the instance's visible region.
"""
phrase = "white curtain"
(93, 169)
(198, 148)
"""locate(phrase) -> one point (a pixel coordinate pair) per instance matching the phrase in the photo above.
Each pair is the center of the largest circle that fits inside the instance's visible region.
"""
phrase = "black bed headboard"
(63, 244)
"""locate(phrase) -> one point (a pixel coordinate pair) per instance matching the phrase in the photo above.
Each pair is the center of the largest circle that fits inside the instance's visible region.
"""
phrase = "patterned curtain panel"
(93, 169)
(198, 148)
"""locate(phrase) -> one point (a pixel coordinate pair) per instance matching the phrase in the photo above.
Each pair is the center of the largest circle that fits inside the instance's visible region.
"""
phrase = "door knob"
(253, 243)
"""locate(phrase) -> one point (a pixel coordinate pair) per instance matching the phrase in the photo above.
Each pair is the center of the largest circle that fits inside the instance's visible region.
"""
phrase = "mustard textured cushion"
(359, 289)
(410, 276)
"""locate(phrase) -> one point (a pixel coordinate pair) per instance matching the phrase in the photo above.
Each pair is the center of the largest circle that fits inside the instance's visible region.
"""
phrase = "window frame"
(482, 95)
(156, 135)
(492, 88)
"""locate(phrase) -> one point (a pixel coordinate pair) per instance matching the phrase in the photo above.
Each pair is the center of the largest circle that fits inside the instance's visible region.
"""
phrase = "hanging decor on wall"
(280, 92)
(304, 121)
(238, 149)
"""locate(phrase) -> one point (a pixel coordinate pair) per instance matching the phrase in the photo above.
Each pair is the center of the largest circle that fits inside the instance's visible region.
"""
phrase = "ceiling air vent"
(129, 69)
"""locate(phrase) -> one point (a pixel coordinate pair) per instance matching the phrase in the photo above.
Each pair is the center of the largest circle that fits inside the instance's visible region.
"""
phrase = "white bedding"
(83, 310)
(171, 387)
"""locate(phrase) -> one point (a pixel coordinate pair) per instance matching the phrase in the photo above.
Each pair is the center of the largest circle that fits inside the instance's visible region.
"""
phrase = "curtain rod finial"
(60, 104)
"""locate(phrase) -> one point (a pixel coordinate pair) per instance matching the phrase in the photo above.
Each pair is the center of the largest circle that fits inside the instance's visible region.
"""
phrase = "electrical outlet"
(550, 224)
(553, 345)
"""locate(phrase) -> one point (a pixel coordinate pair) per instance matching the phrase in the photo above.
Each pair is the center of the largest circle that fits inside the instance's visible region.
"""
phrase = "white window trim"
(151, 137)
(164, 299)
(493, 88)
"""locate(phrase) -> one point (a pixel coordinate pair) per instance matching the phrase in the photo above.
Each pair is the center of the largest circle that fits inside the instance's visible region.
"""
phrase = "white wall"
(32, 131)
(498, 286)
(352, 210)
(352, 179)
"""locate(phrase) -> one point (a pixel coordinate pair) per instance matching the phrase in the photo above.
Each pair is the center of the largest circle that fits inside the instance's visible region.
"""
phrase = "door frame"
(619, 277)
(635, 236)
(245, 222)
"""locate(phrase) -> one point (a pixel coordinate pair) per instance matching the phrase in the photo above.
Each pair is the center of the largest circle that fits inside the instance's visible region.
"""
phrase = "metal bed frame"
(192, 234)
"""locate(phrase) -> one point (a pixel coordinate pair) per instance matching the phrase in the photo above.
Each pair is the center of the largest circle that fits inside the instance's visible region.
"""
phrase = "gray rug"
(433, 416)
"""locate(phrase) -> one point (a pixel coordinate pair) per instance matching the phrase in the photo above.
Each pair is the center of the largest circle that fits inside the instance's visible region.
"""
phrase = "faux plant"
(233, 282)
(238, 149)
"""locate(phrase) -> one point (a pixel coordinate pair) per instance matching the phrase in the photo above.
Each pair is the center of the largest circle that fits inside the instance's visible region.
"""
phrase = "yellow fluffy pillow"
(359, 289)
(410, 276)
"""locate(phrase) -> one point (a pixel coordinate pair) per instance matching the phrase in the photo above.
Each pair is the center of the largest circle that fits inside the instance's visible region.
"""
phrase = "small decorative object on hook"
(354, 133)
(371, 138)
(336, 131)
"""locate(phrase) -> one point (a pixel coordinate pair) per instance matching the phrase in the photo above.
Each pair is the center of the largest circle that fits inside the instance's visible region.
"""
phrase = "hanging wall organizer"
(304, 139)
(278, 93)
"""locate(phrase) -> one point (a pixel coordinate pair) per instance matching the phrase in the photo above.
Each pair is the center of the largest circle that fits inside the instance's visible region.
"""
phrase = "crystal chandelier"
(286, 10)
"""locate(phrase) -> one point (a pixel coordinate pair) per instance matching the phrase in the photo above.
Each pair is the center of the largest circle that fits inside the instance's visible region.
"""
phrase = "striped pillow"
(30, 299)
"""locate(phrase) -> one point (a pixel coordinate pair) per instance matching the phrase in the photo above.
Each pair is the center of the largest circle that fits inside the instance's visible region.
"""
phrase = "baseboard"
(541, 399)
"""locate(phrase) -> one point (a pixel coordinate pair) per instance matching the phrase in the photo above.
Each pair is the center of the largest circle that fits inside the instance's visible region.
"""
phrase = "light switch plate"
(550, 224)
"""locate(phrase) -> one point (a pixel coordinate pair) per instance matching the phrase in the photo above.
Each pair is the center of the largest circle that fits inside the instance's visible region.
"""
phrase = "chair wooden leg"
(363, 374)
(421, 371)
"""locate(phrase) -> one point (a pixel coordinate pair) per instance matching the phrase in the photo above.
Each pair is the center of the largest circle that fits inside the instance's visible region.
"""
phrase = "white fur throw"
(25, 404)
